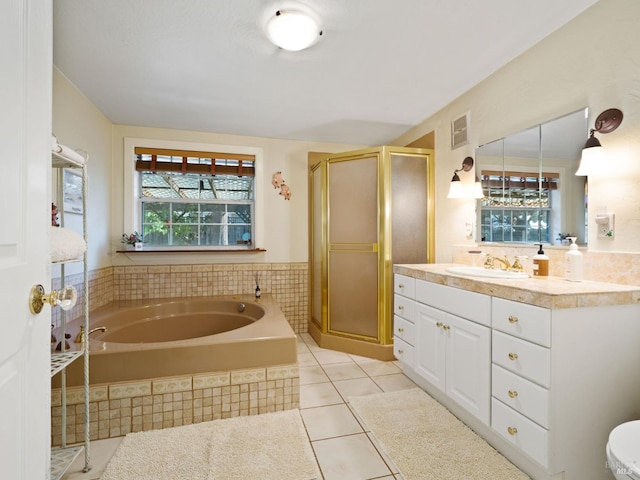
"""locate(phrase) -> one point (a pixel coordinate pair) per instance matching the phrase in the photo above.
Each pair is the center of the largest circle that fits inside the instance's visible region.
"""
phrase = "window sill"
(192, 250)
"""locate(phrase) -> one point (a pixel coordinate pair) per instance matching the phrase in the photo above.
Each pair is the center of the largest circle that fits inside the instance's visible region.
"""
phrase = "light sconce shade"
(292, 30)
(457, 190)
(592, 152)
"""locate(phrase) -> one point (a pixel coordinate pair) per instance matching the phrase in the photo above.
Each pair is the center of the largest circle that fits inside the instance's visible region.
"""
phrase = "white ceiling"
(380, 68)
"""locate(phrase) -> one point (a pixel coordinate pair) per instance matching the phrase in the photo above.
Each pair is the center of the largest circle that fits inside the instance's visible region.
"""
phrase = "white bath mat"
(272, 446)
(424, 440)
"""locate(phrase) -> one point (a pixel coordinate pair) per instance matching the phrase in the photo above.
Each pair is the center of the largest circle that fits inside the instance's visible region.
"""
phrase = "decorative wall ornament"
(278, 182)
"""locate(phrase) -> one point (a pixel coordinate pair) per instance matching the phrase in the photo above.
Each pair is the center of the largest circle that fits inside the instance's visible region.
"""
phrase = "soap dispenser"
(573, 264)
(540, 263)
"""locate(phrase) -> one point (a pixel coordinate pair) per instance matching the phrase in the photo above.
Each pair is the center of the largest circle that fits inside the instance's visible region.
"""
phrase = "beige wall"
(78, 124)
(593, 61)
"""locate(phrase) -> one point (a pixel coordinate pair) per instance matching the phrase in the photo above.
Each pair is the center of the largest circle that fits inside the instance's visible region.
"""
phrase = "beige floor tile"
(312, 374)
(343, 371)
(306, 360)
(349, 458)
(308, 339)
(356, 387)
(100, 452)
(330, 421)
(382, 453)
(326, 357)
(375, 367)
(390, 383)
(318, 395)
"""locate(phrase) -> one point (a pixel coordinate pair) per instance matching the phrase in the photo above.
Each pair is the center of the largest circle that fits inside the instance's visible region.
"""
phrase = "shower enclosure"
(369, 209)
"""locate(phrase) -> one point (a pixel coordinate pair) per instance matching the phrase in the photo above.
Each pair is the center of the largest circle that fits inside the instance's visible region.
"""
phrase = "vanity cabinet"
(451, 352)
(541, 369)
(404, 329)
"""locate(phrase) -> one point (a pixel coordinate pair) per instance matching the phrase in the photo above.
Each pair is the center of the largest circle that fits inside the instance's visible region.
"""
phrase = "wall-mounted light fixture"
(457, 190)
(592, 152)
(293, 30)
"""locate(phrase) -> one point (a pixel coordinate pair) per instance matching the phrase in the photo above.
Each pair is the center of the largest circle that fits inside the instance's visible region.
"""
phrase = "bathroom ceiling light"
(592, 152)
(456, 189)
(292, 30)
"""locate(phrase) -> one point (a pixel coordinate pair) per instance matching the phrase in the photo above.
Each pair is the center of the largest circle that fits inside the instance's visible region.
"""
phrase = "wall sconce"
(457, 190)
(292, 30)
(592, 152)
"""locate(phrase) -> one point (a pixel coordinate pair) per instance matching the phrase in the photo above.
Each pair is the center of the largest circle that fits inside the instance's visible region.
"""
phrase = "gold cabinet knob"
(513, 319)
(439, 324)
(446, 327)
(513, 356)
(400, 286)
(400, 352)
(400, 330)
(513, 393)
(401, 307)
(512, 430)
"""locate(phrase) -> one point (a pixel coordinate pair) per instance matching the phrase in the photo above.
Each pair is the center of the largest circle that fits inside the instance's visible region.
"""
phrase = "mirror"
(531, 193)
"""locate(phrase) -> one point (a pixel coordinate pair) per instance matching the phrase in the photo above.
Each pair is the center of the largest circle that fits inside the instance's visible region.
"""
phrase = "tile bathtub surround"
(287, 282)
(126, 407)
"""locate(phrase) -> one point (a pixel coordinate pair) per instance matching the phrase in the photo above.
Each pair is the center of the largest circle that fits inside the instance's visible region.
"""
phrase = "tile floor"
(343, 448)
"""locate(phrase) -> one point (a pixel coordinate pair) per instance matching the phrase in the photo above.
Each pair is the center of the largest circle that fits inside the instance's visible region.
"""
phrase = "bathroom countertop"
(549, 292)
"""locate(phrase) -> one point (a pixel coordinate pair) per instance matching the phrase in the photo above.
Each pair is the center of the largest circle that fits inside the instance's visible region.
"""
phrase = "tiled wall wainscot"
(125, 407)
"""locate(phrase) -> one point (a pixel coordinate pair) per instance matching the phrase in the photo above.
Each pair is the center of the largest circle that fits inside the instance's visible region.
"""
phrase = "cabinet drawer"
(470, 305)
(404, 307)
(404, 330)
(532, 439)
(524, 358)
(403, 352)
(404, 285)
(521, 320)
(524, 396)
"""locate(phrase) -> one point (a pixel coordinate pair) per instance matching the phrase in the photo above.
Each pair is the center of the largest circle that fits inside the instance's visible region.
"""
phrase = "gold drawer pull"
(400, 352)
(446, 327)
(513, 356)
(513, 319)
(439, 324)
(400, 286)
(512, 430)
(513, 393)
(401, 307)
(400, 330)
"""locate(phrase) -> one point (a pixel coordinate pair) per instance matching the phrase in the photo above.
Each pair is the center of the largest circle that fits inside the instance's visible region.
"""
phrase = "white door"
(25, 159)
(431, 345)
(469, 365)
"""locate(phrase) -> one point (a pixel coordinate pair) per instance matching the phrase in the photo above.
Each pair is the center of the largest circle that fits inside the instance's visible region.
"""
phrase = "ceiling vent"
(460, 131)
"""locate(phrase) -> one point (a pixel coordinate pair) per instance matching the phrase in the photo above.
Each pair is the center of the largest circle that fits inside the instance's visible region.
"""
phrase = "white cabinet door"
(430, 345)
(468, 365)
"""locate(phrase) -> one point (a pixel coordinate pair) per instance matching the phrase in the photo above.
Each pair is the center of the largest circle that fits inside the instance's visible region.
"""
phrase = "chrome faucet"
(80, 338)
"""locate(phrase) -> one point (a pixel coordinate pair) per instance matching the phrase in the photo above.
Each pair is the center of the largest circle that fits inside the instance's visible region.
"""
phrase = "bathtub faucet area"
(241, 307)
(80, 338)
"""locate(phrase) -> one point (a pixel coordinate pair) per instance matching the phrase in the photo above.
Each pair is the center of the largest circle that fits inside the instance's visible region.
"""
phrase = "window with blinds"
(195, 199)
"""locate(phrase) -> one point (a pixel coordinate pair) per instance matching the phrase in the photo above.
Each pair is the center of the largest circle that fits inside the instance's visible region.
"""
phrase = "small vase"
(137, 246)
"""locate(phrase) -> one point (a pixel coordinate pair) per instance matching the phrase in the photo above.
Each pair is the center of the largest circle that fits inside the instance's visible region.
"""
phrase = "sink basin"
(486, 273)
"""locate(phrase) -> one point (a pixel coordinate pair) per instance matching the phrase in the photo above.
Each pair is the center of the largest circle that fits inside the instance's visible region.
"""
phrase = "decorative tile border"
(125, 407)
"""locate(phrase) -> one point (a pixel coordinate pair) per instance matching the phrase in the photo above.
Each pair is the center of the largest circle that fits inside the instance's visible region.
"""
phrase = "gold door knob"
(513, 356)
(513, 393)
(446, 327)
(65, 298)
(513, 319)
(512, 430)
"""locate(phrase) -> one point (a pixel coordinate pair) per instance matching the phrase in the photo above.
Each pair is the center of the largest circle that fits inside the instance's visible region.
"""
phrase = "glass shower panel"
(409, 204)
(353, 246)
(316, 249)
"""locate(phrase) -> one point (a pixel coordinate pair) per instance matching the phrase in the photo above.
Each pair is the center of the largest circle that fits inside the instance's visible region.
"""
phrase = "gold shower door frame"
(344, 256)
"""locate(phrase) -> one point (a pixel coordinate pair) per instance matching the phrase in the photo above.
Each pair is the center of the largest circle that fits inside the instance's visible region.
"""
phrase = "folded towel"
(66, 245)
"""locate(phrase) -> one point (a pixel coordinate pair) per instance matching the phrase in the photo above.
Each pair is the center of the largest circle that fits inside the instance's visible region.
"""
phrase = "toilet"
(623, 451)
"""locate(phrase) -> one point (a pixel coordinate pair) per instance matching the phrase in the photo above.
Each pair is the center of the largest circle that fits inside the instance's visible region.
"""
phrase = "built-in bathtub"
(163, 363)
